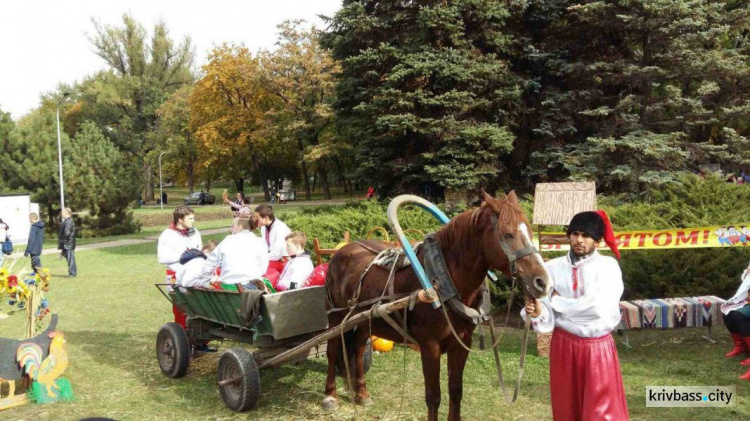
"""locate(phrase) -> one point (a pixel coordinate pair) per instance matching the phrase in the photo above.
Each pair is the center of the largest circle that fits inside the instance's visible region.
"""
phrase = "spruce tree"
(424, 92)
(632, 92)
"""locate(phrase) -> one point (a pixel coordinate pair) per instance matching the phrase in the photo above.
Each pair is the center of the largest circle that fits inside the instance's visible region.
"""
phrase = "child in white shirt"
(299, 267)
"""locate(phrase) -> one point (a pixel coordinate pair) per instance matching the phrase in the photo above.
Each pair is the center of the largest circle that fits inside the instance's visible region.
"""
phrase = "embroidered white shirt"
(276, 245)
(589, 300)
(242, 257)
(739, 299)
(172, 244)
(297, 269)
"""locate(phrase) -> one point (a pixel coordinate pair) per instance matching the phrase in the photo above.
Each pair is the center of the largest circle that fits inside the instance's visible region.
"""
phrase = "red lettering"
(623, 240)
(691, 238)
(660, 235)
(642, 236)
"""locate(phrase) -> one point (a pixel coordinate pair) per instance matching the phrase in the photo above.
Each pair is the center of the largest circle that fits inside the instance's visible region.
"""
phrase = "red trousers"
(277, 265)
(585, 379)
(179, 317)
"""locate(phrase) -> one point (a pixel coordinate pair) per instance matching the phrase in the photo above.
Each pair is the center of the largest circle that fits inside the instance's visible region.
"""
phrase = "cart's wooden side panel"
(293, 313)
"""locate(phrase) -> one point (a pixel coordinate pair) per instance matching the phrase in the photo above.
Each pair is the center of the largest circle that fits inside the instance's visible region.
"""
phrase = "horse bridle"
(512, 255)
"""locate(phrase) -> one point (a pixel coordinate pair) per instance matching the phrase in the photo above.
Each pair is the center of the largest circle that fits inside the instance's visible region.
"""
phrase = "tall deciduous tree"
(228, 116)
(301, 74)
(424, 91)
(175, 136)
(143, 72)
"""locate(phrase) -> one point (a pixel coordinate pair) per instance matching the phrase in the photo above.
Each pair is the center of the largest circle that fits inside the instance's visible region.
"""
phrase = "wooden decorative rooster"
(44, 371)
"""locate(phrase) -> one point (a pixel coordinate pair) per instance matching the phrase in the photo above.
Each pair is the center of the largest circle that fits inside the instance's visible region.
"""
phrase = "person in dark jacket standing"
(66, 241)
(36, 239)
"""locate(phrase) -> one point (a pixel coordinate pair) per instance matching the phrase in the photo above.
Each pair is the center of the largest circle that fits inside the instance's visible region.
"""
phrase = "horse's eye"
(508, 236)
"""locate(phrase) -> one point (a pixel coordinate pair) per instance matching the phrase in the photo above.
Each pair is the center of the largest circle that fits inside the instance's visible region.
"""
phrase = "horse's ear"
(512, 197)
(489, 201)
(486, 198)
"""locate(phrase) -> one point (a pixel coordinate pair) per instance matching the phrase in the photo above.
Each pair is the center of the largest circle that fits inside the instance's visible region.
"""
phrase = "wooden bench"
(319, 252)
(668, 313)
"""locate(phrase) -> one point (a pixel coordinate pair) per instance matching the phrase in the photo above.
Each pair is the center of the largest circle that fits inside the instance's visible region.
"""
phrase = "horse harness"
(437, 271)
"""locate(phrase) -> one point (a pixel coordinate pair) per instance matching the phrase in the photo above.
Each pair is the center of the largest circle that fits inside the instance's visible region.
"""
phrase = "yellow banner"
(737, 235)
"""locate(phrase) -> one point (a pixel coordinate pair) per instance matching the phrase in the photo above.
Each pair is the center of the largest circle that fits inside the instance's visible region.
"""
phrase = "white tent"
(14, 211)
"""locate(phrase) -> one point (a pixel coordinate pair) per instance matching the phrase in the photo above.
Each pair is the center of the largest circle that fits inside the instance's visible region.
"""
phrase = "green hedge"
(156, 219)
(647, 274)
(694, 202)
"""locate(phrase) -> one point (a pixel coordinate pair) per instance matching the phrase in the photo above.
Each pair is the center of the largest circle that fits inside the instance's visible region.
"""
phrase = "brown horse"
(471, 244)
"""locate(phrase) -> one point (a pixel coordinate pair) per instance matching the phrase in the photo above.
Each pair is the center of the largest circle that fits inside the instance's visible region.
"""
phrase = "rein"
(512, 255)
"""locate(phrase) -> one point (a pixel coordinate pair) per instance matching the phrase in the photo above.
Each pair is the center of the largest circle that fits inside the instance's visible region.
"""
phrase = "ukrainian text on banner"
(681, 238)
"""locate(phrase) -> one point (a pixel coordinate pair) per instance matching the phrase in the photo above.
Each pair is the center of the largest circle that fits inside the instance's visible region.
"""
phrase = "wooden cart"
(288, 327)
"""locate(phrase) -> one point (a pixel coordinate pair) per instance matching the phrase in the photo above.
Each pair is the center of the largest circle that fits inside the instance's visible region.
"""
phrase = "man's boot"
(739, 346)
(747, 344)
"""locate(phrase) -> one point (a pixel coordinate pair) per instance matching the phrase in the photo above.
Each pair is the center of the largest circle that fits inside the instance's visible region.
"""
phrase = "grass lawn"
(111, 312)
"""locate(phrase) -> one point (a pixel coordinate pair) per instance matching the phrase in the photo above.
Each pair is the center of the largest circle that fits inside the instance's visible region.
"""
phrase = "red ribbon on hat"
(609, 233)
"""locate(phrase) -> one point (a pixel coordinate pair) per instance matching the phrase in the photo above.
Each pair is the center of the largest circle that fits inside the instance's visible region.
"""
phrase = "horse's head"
(507, 244)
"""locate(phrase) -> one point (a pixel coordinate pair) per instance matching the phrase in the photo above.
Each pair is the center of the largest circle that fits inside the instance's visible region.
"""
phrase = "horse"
(472, 243)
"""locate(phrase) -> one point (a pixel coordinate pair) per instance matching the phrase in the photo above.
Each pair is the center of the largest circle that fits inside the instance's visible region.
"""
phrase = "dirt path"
(117, 243)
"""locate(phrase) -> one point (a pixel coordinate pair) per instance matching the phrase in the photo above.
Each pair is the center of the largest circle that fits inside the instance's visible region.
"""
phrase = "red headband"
(609, 234)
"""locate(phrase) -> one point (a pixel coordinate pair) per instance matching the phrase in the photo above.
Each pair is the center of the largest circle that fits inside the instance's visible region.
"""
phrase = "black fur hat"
(589, 222)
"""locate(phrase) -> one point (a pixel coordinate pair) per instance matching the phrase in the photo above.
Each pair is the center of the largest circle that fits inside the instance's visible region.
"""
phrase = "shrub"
(646, 273)
(155, 219)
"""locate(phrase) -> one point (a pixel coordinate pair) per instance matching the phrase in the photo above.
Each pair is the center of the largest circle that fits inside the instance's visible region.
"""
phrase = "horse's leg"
(456, 363)
(362, 397)
(431, 371)
(332, 351)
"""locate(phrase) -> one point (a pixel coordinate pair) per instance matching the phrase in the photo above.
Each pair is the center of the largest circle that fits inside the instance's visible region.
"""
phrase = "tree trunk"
(315, 180)
(191, 175)
(308, 193)
(240, 184)
(351, 188)
(149, 183)
(342, 179)
(50, 216)
(209, 184)
(262, 175)
(324, 183)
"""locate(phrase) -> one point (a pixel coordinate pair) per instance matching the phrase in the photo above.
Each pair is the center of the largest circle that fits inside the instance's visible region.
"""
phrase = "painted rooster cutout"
(44, 371)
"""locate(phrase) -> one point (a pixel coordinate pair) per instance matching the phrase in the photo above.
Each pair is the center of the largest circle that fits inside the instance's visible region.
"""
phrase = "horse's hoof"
(367, 401)
(330, 403)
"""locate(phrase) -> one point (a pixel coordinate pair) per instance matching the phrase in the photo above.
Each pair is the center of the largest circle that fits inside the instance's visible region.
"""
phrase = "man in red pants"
(736, 314)
(583, 309)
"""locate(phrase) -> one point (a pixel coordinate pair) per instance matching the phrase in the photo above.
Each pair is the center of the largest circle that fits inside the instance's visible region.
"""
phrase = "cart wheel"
(341, 368)
(172, 350)
(239, 380)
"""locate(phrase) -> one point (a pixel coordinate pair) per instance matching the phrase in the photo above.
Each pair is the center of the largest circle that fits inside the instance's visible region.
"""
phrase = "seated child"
(191, 265)
(299, 267)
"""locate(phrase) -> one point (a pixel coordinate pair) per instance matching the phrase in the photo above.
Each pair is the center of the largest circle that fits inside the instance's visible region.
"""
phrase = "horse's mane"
(459, 235)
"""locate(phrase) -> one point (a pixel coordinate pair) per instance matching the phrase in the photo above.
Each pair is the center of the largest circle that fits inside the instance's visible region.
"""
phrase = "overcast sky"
(44, 42)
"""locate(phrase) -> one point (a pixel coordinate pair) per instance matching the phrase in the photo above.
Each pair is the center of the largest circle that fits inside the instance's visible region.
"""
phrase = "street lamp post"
(59, 152)
(161, 192)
